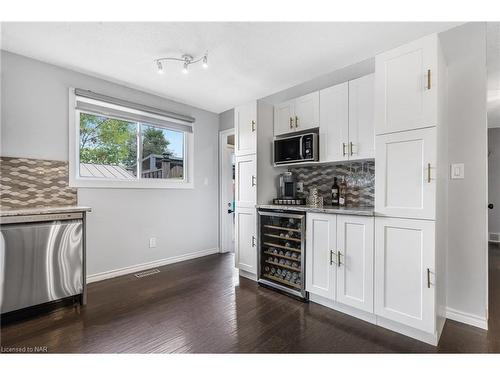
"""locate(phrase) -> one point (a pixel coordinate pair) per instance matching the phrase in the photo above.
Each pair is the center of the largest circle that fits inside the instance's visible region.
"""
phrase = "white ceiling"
(247, 60)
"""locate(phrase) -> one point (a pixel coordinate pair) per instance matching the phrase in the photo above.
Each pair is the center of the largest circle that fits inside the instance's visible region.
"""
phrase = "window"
(116, 146)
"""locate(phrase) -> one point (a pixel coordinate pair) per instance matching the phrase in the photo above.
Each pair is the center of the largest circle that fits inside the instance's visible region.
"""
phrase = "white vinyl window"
(117, 146)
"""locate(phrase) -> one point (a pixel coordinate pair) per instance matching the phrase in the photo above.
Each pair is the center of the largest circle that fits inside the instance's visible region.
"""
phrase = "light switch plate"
(457, 171)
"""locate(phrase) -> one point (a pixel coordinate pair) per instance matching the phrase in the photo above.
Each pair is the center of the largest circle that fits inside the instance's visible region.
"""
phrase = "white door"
(320, 254)
(405, 182)
(405, 86)
(284, 118)
(246, 241)
(355, 236)
(306, 111)
(246, 181)
(404, 272)
(226, 192)
(361, 118)
(334, 123)
(245, 125)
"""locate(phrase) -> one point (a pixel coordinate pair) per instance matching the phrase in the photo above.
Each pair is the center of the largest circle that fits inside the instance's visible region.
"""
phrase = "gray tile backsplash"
(321, 176)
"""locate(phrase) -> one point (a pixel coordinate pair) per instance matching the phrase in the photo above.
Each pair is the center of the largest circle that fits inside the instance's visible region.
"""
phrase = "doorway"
(226, 190)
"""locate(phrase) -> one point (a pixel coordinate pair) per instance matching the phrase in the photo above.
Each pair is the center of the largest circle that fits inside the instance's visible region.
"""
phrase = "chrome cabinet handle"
(429, 173)
(428, 278)
(253, 125)
(343, 149)
(351, 146)
(428, 79)
(296, 122)
(331, 257)
(253, 180)
(291, 123)
(339, 254)
(253, 241)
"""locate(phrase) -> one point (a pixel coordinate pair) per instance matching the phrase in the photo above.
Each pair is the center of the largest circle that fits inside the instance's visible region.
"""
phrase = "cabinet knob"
(490, 206)
(296, 121)
(331, 257)
(291, 123)
(253, 125)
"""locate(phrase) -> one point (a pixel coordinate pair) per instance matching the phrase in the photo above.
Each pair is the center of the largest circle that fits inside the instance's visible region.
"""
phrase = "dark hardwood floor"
(201, 306)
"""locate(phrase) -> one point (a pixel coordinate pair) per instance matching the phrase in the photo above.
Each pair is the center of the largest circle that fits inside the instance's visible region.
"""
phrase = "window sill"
(92, 183)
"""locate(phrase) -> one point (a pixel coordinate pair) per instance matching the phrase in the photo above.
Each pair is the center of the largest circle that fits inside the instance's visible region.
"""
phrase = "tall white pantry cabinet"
(411, 177)
(254, 178)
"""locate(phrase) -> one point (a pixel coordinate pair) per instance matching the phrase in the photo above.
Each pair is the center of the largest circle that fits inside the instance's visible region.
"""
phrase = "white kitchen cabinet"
(405, 272)
(347, 121)
(334, 123)
(245, 129)
(306, 111)
(283, 118)
(406, 86)
(298, 114)
(405, 182)
(321, 260)
(361, 118)
(246, 180)
(246, 239)
(355, 261)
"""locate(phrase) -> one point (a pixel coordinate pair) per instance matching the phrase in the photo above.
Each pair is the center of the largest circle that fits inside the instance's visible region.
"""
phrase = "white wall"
(465, 51)
(226, 120)
(494, 179)
(35, 125)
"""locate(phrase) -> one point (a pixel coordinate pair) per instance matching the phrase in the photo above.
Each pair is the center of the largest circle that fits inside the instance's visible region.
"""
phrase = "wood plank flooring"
(201, 306)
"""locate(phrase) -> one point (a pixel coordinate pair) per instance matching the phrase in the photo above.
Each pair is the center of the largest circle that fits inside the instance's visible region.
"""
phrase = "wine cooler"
(281, 253)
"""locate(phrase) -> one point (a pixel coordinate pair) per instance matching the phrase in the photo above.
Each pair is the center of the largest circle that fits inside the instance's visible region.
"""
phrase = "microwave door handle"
(300, 147)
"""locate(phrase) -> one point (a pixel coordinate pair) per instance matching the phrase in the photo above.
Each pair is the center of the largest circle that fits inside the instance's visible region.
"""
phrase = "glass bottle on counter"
(335, 192)
(342, 192)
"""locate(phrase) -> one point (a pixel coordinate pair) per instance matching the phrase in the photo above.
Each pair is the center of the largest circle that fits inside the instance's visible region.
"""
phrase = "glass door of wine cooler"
(281, 251)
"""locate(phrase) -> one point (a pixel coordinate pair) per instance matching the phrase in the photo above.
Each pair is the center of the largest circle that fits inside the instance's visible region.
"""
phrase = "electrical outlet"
(152, 242)
(457, 171)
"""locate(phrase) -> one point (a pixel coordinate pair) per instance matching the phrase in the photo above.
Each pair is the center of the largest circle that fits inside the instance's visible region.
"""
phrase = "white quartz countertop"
(43, 210)
(360, 211)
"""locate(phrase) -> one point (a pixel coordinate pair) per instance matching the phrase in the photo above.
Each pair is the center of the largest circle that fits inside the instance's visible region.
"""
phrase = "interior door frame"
(223, 134)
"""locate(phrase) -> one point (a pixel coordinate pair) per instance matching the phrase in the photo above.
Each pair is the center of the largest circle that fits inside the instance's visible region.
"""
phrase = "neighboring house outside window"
(116, 146)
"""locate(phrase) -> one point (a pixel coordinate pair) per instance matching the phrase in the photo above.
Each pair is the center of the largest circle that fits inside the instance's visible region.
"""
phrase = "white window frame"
(140, 183)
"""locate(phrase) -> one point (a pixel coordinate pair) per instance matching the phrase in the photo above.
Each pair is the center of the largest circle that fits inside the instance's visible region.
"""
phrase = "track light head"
(159, 66)
(205, 62)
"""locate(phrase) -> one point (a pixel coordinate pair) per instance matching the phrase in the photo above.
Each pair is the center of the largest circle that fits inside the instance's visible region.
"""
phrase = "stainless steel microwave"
(296, 149)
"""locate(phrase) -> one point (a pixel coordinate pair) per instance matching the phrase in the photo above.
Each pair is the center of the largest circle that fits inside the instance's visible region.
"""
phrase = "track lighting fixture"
(185, 59)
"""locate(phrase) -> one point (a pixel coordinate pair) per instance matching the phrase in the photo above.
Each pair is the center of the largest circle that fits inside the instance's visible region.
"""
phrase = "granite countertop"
(42, 210)
(360, 211)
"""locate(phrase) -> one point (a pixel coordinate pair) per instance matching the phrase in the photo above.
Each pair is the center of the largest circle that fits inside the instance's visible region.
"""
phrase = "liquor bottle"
(342, 192)
(335, 192)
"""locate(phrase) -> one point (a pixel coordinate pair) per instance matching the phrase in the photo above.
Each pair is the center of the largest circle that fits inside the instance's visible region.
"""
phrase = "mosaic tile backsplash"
(29, 183)
(360, 186)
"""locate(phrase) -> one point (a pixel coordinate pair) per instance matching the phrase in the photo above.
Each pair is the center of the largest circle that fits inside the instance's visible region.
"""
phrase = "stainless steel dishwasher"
(41, 259)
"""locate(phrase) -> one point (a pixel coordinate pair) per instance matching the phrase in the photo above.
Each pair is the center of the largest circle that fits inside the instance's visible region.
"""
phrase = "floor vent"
(494, 237)
(147, 273)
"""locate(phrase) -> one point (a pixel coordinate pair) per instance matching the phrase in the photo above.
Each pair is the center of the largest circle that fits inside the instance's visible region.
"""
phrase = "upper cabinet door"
(246, 181)
(404, 272)
(361, 118)
(320, 254)
(405, 182)
(306, 112)
(355, 261)
(245, 124)
(406, 86)
(334, 123)
(284, 121)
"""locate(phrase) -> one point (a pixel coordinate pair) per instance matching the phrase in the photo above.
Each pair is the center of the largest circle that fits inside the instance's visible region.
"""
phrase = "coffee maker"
(288, 190)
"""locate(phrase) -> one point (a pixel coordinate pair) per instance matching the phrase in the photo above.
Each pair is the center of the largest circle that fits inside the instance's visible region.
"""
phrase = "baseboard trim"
(248, 275)
(466, 318)
(144, 266)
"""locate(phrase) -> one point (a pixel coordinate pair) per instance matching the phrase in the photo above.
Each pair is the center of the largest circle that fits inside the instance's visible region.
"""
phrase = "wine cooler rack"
(281, 251)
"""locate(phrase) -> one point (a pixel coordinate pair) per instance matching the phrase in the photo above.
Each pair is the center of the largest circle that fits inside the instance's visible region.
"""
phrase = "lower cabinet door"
(245, 239)
(320, 254)
(355, 261)
(404, 271)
